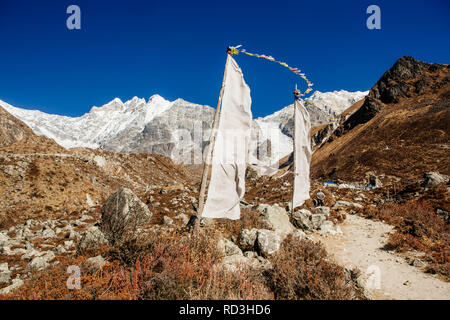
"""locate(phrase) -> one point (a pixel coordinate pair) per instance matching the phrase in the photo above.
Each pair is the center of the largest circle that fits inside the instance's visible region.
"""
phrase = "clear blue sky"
(177, 48)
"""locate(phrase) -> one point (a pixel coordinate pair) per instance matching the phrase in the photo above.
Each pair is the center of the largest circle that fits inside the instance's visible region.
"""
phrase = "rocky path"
(388, 276)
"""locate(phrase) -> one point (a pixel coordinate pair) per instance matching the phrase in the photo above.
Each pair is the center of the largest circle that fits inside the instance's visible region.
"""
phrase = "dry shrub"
(183, 267)
(418, 227)
(301, 271)
(186, 268)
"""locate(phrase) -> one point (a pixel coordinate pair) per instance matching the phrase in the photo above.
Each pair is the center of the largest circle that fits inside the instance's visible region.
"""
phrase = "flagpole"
(207, 164)
(294, 158)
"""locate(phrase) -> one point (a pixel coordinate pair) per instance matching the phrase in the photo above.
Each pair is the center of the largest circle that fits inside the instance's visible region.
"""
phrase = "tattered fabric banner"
(236, 50)
(229, 160)
(302, 153)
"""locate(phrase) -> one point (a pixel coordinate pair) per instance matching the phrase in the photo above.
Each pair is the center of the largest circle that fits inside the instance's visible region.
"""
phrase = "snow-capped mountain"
(334, 103)
(173, 127)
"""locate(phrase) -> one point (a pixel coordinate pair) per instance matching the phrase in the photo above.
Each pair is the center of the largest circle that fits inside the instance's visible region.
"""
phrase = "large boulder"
(277, 218)
(434, 179)
(122, 213)
(302, 219)
(268, 242)
(247, 239)
(228, 248)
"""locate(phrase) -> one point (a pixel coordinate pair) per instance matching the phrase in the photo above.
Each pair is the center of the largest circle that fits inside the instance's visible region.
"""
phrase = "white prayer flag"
(229, 160)
(302, 154)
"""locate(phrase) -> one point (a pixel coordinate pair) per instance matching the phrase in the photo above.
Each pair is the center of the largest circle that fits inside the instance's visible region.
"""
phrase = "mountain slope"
(157, 125)
(40, 179)
(402, 128)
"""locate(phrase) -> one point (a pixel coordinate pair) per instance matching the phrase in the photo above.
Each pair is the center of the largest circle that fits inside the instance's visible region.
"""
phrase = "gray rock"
(418, 263)
(235, 262)
(228, 248)
(95, 262)
(434, 179)
(302, 219)
(16, 283)
(268, 242)
(322, 210)
(5, 273)
(342, 203)
(31, 252)
(277, 218)
(317, 220)
(38, 263)
(250, 254)
(299, 234)
(48, 233)
(247, 239)
(167, 221)
(93, 237)
(122, 213)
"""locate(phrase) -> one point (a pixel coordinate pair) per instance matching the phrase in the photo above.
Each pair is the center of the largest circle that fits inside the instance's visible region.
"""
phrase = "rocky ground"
(31, 247)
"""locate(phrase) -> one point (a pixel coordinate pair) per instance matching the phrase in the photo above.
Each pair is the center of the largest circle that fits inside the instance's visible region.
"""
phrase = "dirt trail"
(360, 245)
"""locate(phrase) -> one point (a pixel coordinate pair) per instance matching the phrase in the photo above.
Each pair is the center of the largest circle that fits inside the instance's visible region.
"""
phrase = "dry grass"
(165, 268)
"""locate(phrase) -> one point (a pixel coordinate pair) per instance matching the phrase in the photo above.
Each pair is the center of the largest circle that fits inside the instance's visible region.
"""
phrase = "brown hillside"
(401, 129)
(40, 179)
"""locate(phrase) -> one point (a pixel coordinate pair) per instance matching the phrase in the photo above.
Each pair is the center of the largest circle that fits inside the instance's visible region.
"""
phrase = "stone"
(299, 234)
(247, 239)
(31, 252)
(167, 221)
(16, 283)
(235, 262)
(122, 213)
(277, 218)
(68, 244)
(418, 263)
(93, 237)
(302, 219)
(342, 203)
(317, 220)
(48, 233)
(38, 263)
(322, 210)
(250, 254)
(95, 262)
(434, 179)
(5, 273)
(228, 248)
(268, 242)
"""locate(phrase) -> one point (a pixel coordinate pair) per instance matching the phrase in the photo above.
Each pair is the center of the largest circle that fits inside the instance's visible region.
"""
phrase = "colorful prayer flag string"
(236, 51)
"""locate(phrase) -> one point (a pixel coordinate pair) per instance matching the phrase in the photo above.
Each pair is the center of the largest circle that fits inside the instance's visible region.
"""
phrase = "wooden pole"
(207, 164)
(294, 158)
